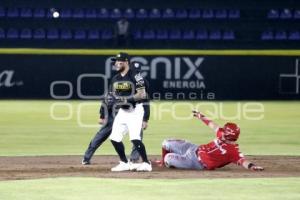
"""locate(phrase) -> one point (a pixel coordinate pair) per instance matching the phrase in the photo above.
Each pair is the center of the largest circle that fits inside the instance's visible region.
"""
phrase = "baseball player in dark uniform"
(106, 120)
(129, 89)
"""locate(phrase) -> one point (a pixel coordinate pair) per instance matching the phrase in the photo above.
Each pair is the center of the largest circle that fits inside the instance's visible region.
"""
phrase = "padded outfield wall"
(173, 75)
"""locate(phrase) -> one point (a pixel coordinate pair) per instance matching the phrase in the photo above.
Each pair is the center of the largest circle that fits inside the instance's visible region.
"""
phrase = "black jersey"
(127, 86)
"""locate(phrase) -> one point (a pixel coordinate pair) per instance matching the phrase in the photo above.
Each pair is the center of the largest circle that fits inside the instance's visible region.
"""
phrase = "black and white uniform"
(130, 115)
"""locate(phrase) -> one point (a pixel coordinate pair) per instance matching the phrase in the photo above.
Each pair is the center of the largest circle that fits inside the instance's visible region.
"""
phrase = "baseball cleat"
(134, 166)
(85, 162)
(122, 166)
(144, 167)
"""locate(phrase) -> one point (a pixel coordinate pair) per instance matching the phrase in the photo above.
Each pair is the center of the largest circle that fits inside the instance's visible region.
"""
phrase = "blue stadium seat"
(116, 13)
(273, 14)
(129, 13)
(2, 12)
(102, 13)
(79, 34)
(194, 13)
(294, 35)
(52, 34)
(78, 13)
(26, 12)
(286, 14)
(234, 14)
(137, 34)
(2, 33)
(106, 34)
(280, 35)
(26, 33)
(66, 34)
(188, 35)
(221, 14)
(181, 14)
(91, 13)
(208, 14)
(215, 35)
(65, 13)
(93, 34)
(149, 34)
(297, 14)
(201, 34)
(155, 13)
(168, 13)
(162, 35)
(39, 33)
(267, 35)
(175, 34)
(228, 35)
(12, 33)
(142, 14)
(39, 13)
(12, 12)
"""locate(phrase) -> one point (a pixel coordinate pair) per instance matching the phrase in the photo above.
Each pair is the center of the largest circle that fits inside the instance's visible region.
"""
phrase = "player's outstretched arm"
(215, 127)
(249, 165)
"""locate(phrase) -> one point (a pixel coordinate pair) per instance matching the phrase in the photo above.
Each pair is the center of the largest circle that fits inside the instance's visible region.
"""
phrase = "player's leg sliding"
(146, 165)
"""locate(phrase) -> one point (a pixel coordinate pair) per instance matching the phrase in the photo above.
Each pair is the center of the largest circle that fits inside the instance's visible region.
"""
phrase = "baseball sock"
(119, 147)
(164, 152)
(141, 149)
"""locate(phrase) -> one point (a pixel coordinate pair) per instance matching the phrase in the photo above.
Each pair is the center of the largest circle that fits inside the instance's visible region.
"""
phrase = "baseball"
(55, 14)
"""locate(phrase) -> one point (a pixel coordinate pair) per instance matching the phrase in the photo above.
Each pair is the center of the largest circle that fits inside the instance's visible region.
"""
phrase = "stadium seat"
(12, 12)
(208, 14)
(137, 34)
(155, 13)
(116, 13)
(162, 35)
(228, 35)
(93, 34)
(168, 13)
(286, 14)
(273, 14)
(78, 13)
(26, 12)
(2, 12)
(188, 35)
(141, 14)
(215, 35)
(234, 14)
(280, 35)
(201, 34)
(2, 33)
(175, 34)
(79, 34)
(52, 34)
(39, 33)
(12, 33)
(194, 13)
(66, 13)
(129, 13)
(66, 34)
(181, 14)
(91, 13)
(39, 13)
(267, 35)
(106, 34)
(221, 14)
(297, 14)
(26, 33)
(294, 35)
(149, 34)
(103, 13)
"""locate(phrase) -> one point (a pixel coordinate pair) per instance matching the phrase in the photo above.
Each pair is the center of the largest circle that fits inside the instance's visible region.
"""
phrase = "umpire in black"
(106, 120)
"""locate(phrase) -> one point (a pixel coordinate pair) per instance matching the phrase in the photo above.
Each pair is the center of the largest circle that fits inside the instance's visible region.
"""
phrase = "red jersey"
(217, 153)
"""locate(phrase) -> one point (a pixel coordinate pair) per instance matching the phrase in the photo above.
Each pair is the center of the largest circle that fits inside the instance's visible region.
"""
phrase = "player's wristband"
(250, 165)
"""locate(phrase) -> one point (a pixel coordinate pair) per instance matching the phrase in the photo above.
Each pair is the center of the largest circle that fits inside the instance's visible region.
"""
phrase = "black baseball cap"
(121, 57)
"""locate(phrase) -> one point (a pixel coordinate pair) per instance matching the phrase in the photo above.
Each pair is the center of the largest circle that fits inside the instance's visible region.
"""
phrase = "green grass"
(92, 188)
(26, 127)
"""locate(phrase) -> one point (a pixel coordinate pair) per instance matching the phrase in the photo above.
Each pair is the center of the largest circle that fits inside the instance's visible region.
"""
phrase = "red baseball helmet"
(231, 131)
